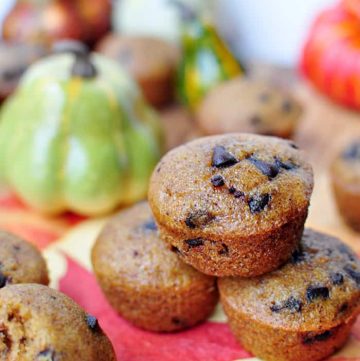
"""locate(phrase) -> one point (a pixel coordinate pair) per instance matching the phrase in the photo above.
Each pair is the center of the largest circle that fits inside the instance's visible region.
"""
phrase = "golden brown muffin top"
(142, 56)
(250, 106)
(20, 262)
(346, 165)
(44, 324)
(318, 288)
(130, 247)
(232, 186)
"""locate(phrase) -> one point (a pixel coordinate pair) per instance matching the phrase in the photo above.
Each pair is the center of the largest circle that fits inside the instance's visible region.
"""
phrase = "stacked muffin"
(234, 207)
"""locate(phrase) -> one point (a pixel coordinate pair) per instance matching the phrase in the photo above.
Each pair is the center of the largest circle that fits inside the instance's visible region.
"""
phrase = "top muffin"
(231, 186)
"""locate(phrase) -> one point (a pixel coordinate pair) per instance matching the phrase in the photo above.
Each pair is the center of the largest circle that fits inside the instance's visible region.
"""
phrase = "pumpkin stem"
(186, 12)
(83, 67)
(70, 46)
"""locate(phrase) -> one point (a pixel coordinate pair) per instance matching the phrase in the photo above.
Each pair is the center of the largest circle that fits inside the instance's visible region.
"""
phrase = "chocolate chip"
(217, 180)
(92, 322)
(46, 355)
(257, 203)
(343, 308)
(298, 256)
(175, 250)
(352, 152)
(225, 250)
(198, 219)
(178, 322)
(293, 145)
(354, 274)
(193, 243)
(221, 158)
(287, 106)
(232, 190)
(288, 165)
(310, 339)
(239, 194)
(292, 304)
(314, 292)
(150, 225)
(135, 253)
(255, 120)
(268, 169)
(337, 278)
(3, 280)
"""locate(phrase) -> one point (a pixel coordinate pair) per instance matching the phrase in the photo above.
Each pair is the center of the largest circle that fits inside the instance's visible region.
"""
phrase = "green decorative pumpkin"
(77, 135)
(206, 62)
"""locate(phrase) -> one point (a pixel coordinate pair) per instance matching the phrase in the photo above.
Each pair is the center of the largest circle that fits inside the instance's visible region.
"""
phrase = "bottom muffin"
(144, 280)
(301, 312)
(38, 323)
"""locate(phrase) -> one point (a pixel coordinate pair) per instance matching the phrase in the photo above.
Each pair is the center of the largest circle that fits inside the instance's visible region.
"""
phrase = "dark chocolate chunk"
(239, 194)
(135, 253)
(225, 250)
(293, 145)
(232, 190)
(217, 180)
(337, 278)
(198, 219)
(287, 165)
(352, 152)
(257, 203)
(193, 243)
(268, 169)
(314, 292)
(175, 250)
(354, 274)
(222, 158)
(343, 307)
(3, 280)
(150, 225)
(287, 106)
(46, 355)
(298, 256)
(310, 339)
(92, 322)
(255, 120)
(292, 304)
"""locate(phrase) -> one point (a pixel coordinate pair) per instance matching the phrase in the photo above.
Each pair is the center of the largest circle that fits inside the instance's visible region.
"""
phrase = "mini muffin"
(232, 205)
(14, 60)
(39, 323)
(152, 63)
(249, 106)
(20, 262)
(345, 175)
(144, 280)
(301, 312)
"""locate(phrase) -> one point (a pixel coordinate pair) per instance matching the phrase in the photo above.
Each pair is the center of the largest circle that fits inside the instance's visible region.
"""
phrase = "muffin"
(232, 205)
(14, 60)
(144, 280)
(248, 106)
(301, 312)
(39, 323)
(150, 61)
(20, 262)
(345, 176)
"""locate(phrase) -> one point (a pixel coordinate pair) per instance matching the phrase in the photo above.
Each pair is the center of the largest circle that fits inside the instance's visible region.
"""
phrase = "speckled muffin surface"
(345, 175)
(41, 324)
(232, 204)
(249, 106)
(20, 262)
(151, 61)
(144, 280)
(302, 311)
(14, 60)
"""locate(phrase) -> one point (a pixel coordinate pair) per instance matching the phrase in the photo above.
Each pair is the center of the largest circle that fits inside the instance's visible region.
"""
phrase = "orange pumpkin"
(331, 55)
(46, 21)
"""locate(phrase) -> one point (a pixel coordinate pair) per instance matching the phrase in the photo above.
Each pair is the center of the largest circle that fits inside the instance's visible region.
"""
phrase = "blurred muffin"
(152, 63)
(248, 106)
(14, 60)
(144, 280)
(20, 262)
(345, 176)
(38, 323)
(301, 312)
